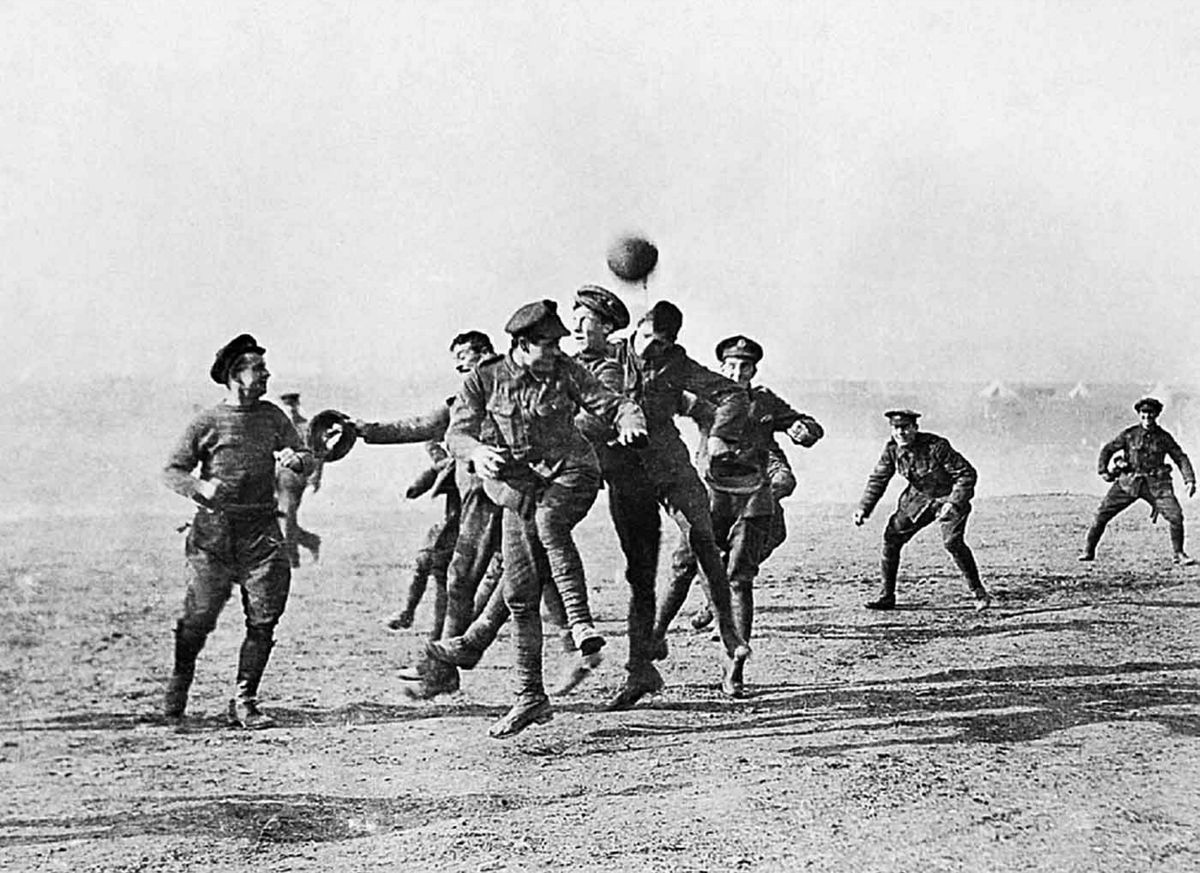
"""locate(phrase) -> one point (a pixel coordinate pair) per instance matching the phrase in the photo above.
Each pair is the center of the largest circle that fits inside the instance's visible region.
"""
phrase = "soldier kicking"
(544, 473)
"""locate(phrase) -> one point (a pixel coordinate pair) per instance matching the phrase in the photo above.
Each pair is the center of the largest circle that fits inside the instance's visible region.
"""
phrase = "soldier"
(544, 474)
(289, 490)
(597, 313)
(743, 507)
(478, 539)
(1139, 472)
(941, 483)
(234, 538)
(656, 372)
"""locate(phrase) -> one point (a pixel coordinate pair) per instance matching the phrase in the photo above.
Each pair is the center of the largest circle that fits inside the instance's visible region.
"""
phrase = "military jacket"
(1146, 450)
(934, 470)
(658, 387)
(534, 419)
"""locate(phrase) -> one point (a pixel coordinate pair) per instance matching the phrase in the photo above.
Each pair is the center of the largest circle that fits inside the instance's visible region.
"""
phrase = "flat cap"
(604, 303)
(1149, 404)
(538, 320)
(228, 354)
(739, 347)
(900, 416)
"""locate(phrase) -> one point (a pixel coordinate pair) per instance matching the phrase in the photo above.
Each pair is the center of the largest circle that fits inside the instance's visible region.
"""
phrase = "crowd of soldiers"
(520, 454)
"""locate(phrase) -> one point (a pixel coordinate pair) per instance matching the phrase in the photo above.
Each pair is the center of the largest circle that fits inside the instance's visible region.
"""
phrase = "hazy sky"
(915, 190)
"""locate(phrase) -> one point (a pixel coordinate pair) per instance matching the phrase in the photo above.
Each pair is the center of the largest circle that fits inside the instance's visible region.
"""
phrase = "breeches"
(247, 552)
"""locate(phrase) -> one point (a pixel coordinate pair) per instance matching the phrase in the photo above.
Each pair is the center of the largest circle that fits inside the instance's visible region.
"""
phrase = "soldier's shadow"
(1016, 704)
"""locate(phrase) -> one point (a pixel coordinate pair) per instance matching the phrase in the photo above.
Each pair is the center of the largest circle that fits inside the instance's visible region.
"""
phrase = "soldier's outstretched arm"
(1184, 463)
(419, 428)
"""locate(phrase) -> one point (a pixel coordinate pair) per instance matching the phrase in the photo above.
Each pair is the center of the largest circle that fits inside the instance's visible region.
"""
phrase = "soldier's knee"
(261, 631)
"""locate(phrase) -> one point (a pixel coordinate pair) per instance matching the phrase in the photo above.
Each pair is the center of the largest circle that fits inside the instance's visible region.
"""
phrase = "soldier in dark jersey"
(1143, 474)
(941, 483)
(226, 463)
(656, 372)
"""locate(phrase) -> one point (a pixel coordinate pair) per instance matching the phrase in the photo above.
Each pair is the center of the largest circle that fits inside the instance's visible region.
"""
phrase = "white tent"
(1079, 392)
(997, 390)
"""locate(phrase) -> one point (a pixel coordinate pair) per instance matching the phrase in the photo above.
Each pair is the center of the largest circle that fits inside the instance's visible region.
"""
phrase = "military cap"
(229, 353)
(900, 416)
(665, 318)
(739, 347)
(537, 321)
(1149, 404)
(331, 435)
(290, 397)
(604, 303)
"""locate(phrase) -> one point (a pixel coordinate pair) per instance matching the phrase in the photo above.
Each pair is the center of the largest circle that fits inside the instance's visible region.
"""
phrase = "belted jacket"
(936, 473)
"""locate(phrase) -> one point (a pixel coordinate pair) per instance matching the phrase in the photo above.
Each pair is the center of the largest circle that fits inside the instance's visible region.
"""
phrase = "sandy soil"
(1056, 732)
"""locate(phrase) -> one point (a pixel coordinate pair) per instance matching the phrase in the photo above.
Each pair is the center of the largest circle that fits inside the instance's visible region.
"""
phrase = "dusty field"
(1057, 732)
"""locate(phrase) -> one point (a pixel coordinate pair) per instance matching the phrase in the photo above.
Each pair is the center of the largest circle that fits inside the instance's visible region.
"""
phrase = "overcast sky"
(910, 190)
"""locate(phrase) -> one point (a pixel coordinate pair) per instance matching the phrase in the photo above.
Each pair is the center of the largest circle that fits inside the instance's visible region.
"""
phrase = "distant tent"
(997, 390)
(1079, 392)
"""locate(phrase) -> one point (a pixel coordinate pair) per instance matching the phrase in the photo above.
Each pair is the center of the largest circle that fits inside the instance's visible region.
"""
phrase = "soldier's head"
(739, 356)
(657, 330)
(597, 312)
(469, 348)
(904, 425)
(536, 331)
(239, 365)
(1148, 410)
(290, 399)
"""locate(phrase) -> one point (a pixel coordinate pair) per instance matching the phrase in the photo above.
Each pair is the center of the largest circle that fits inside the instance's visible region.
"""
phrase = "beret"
(537, 320)
(228, 354)
(1150, 404)
(739, 347)
(604, 303)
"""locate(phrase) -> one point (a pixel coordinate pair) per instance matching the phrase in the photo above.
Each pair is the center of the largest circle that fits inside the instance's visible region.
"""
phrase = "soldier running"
(234, 538)
(743, 506)
(289, 490)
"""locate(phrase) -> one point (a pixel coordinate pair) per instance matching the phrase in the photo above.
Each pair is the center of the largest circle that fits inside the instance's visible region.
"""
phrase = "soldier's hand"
(717, 447)
(359, 425)
(947, 511)
(859, 517)
(1191, 489)
(207, 491)
(635, 437)
(488, 461)
(290, 458)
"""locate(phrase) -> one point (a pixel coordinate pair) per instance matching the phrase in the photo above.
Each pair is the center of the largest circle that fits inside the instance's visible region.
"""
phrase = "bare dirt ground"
(1057, 732)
